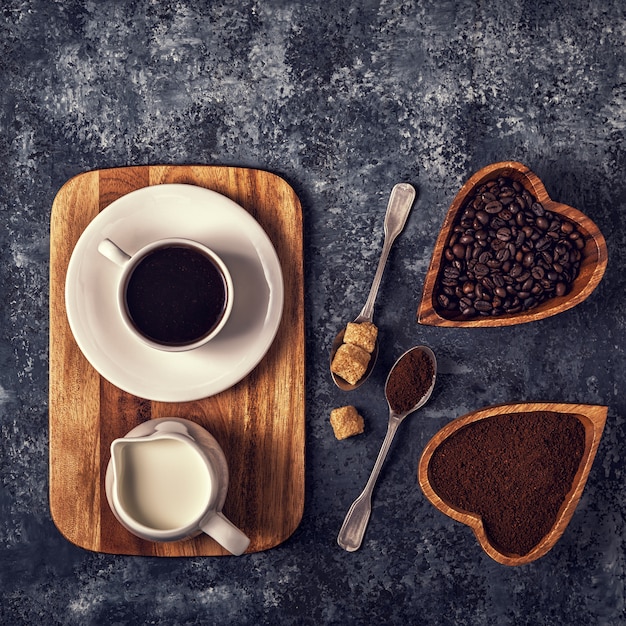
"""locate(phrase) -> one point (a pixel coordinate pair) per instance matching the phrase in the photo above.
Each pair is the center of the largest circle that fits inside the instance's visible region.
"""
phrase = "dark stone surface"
(343, 100)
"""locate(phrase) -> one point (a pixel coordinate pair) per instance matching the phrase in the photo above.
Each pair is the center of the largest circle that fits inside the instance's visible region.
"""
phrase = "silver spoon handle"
(353, 528)
(398, 208)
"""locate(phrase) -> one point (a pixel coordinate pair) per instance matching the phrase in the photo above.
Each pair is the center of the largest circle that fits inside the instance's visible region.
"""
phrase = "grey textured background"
(343, 99)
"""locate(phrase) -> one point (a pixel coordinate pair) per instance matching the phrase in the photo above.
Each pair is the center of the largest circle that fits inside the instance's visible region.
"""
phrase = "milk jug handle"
(226, 534)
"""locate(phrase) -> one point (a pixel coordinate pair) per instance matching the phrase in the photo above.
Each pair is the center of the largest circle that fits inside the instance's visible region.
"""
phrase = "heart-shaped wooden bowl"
(592, 267)
(593, 419)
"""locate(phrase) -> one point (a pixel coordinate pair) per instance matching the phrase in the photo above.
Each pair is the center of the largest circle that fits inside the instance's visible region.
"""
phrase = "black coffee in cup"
(175, 295)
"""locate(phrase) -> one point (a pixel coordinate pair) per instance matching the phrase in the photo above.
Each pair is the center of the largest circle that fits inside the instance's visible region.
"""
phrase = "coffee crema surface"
(506, 253)
(175, 295)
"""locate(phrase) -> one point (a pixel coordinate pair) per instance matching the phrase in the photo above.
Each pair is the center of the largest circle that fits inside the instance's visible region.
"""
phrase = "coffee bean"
(480, 269)
(507, 253)
(542, 243)
(497, 244)
(458, 250)
(503, 255)
(493, 207)
(468, 287)
(537, 272)
(503, 234)
(487, 283)
(482, 217)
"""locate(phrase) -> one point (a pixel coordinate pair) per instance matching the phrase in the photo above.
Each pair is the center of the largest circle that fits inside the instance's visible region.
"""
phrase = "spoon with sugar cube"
(354, 350)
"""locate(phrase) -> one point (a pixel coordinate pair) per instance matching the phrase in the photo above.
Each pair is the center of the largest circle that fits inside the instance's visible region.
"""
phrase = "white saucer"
(187, 211)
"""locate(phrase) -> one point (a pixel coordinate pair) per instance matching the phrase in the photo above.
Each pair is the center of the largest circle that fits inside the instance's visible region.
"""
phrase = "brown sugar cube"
(362, 335)
(350, 362)
(346, 422)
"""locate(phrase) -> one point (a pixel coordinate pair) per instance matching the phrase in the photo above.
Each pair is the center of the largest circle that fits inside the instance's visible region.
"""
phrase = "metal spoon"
(353, 528)
(398, 208)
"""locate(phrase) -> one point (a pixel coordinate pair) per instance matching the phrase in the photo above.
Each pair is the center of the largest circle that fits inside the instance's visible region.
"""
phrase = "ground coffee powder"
(409, 380)
(513, 470)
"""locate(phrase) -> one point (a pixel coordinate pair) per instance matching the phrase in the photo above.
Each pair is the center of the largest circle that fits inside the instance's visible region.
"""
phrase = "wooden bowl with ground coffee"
(513, 473)
(508, 254)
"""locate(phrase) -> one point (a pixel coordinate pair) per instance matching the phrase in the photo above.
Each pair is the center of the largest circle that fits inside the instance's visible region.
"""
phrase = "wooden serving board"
(259, 422)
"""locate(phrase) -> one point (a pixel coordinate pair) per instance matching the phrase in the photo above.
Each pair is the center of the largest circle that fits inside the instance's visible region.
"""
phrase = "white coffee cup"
(170, 485)
(217, 295)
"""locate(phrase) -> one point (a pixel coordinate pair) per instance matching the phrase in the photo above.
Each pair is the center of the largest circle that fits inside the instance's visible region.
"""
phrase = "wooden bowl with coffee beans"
(513, 473)
(509, 254)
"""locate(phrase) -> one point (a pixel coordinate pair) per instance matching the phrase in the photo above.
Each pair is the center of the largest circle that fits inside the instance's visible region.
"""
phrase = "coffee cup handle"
(226, 534)
(113, 252)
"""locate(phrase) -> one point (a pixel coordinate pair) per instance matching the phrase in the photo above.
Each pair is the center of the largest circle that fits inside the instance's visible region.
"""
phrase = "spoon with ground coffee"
(398, 208)
(408, 387)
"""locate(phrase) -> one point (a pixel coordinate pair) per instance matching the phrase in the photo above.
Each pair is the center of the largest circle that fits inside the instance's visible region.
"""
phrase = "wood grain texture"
(593, 419)
(593, 265)
(259, 422)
